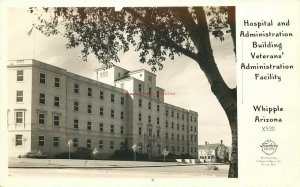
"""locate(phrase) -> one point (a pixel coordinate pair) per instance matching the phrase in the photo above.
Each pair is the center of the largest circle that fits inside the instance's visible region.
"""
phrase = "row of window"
(101, 127)
(182, 115)
(55, 118)
(75, 143)
(207, 157)
(101, 94)
(192, 149)
(56, 142)
(42, 78)
(140, 89)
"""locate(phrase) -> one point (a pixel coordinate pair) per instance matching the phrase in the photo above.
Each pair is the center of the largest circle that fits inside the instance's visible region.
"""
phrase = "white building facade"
(48, 106)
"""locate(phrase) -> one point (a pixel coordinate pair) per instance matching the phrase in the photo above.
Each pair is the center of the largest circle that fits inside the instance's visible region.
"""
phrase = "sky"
(182, 75)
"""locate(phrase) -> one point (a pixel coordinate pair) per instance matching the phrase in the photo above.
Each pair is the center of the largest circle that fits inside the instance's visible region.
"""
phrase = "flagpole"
(33, 42)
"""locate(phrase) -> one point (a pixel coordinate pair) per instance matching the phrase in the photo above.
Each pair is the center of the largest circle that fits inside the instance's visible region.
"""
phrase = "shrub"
(34, 154)
(79, 153)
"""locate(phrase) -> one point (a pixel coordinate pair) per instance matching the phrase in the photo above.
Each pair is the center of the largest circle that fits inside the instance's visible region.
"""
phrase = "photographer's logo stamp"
(269, 147)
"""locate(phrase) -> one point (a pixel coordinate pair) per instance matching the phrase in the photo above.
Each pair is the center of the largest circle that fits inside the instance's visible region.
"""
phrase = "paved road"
(34, 172)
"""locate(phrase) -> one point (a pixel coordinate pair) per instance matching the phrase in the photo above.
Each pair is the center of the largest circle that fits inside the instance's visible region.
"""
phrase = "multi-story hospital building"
(48, 106)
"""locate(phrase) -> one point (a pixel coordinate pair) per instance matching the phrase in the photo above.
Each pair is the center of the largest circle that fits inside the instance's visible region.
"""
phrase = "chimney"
(205, 142)
(221, 141)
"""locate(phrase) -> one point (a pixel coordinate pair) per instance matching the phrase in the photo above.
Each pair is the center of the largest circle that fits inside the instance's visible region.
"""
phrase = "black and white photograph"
(147, 94)
(133, 88)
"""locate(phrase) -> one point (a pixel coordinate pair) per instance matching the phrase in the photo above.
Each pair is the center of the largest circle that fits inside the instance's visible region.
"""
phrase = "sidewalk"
(66, 163)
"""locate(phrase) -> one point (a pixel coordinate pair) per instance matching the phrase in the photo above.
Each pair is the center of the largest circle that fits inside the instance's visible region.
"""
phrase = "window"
(195, 138)
(149, 132)
(140, 130)
(55, 141)
(56, 101)
(140, 102)
(89, 126)
(140, 87)
(100, 144)
(157, 121)
(19, 117)
(195, 129)
(149, 119)
(182, 116)
(195, 119)
(88, 143)
(112, 128)
(112, 98)
(101, 111)
(182, 137)
(173, 149)
(172, 114)
(192, 150)
(158, 133)
(19, 139)
(122, 100)
(20, 75)
(178, 149)
(101, 95)
(167, 112)
(76, 88)
(177, 115)
(56, 82)
(41, 140)
(122, 130)
(191, 138)
(150, 90)
(76, 105)
(42, 78)
(191, 118)
(90, 92)
(191, 128)
(101, 127)
(56, 120)
(19, 96)
(149, 105)
(172, 136)
(75, 142)
(111, 145)
(140, 117)
(167, 135)
(183, 149)
(75, 124)
(157, 108)
(172, 125)
(177, 126)
(89, 109)
(41, 118)
(42, 98)
(112, 113)
(122, 115)
(167, 124)
(177, 136)
(183, 127)
(157, 94)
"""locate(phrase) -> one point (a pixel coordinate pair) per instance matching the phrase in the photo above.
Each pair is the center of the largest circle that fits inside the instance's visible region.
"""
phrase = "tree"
(157, 34)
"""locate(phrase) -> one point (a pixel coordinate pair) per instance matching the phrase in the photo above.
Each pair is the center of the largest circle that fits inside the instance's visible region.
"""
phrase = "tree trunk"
(228, 100)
